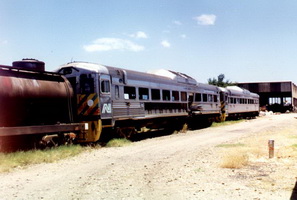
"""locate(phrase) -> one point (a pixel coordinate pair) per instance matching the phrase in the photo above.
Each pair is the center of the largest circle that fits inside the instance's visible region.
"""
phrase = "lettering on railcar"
(106, 108)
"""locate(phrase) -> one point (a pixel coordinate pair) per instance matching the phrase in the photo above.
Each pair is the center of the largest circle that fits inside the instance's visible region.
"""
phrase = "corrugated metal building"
(275, 96)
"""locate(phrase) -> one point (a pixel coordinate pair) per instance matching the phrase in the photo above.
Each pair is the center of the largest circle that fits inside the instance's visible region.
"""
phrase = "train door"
(190, 100)
(87, 98)
(224, 104)
(88, 106)
(105, 97)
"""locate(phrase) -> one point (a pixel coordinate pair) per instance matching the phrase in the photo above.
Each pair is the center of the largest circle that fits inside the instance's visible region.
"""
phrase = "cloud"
(176, 22)
(139, 34)
(206, 19)
(165, 44)
(108, 44)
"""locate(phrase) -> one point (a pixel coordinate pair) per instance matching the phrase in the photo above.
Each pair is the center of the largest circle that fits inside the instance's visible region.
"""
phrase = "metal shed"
(274, 96)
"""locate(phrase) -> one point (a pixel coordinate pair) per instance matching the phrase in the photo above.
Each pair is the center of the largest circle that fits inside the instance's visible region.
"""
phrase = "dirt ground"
(179, 166)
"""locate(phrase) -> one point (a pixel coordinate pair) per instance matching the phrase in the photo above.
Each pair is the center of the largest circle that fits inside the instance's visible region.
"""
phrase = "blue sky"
(245, 40)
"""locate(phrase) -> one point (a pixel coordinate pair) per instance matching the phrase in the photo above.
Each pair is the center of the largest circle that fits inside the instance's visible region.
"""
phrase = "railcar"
(237, 102)
(130, 101)
(34, 102)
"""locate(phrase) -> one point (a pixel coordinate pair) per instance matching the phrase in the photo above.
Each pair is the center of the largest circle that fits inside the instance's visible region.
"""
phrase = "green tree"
(220, 81)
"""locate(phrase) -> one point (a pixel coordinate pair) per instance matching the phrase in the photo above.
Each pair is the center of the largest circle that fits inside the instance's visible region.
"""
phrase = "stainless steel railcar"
(130, 101)
(237, 102)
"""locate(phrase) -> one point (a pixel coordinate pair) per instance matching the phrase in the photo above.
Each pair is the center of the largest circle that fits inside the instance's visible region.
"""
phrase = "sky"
(247, 41)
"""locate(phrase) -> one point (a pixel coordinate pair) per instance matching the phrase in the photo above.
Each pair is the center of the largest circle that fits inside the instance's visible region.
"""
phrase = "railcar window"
(129, 92)
(175, 95)
(183, 96)
(166, 95)
(105, 86)
(204, 97)
(143, 93)
(209, 98)
(215, 98)
(86, 84)
(117, 92)
(155, 94)
(198, 97)
(233, 100)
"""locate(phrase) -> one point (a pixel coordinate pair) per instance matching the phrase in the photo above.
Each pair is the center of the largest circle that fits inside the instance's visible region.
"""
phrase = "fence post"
(271, 148)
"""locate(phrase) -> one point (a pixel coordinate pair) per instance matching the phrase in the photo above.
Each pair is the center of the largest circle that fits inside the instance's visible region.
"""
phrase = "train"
(83, 101)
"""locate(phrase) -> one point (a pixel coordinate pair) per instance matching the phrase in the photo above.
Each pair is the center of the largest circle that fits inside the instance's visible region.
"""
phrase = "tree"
(220, 81)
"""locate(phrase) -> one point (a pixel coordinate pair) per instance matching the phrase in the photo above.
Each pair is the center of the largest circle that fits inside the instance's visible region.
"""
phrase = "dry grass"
(225, 123)
(255, 148)
(252, 159)
(235, 159)
(118, 142)
(10, 161)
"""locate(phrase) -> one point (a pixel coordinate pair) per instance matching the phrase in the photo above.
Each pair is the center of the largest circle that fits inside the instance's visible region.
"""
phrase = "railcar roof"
(237, 91)
(207, 86)
(136, 75)
(97, 68)
(179, 77)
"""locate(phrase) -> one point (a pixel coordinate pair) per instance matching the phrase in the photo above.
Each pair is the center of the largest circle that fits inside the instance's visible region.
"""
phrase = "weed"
(217, 124)
(231, 145)
(235, 159)
(10, 161)
(118, 142)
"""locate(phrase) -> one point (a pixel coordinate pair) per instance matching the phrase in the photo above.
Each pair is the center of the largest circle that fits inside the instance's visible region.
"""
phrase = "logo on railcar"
(106, 108)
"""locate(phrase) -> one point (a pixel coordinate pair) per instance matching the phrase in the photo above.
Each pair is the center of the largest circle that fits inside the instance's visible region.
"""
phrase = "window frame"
(156, 93)
(141, 93)
(129, 93)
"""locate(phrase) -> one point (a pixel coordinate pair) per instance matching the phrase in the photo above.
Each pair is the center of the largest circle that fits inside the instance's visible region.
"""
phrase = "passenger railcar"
(129, 101)
(237, 102)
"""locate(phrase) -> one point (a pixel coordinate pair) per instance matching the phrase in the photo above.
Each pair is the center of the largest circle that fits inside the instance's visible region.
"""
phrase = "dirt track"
(179, 166)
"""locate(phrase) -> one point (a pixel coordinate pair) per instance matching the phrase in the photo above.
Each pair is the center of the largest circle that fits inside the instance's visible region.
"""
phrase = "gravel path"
(179, 166)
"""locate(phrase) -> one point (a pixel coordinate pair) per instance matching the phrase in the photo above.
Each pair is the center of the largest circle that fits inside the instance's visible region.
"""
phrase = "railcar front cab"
(91, 85)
